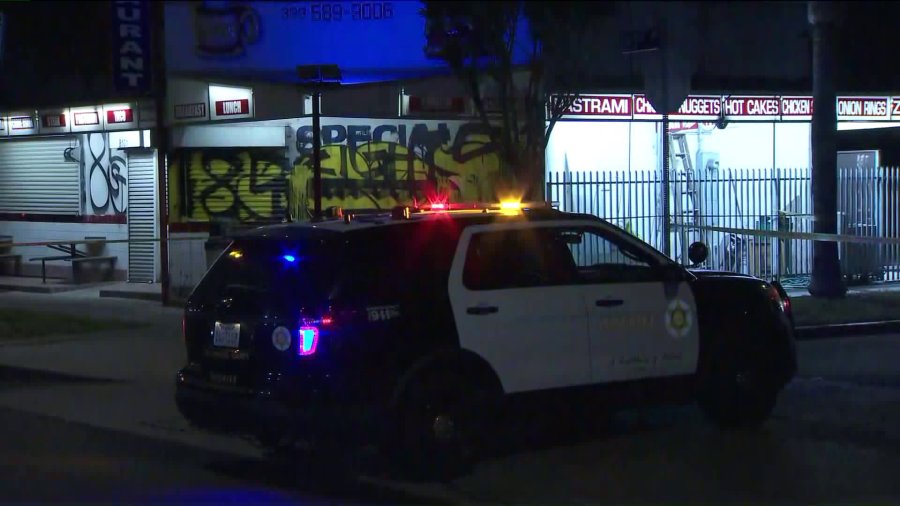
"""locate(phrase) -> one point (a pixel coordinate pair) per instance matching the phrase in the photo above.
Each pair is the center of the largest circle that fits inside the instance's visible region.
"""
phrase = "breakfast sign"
(733, 108)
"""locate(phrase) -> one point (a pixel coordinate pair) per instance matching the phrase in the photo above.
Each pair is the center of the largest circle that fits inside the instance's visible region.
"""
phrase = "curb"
(124, 294)
(13, 374)
(48, 289)
(847, 330)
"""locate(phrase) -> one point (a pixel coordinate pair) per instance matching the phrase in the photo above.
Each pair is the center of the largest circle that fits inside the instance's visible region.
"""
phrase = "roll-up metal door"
(142, 217)
(245, 184)
(40, 176)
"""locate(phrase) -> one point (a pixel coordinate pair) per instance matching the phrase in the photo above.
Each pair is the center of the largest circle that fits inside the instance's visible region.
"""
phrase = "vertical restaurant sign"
(2, 35)
(131, 46)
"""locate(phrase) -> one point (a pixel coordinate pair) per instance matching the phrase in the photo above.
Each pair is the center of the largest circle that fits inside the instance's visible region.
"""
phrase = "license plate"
(227, 335)
(224, 379)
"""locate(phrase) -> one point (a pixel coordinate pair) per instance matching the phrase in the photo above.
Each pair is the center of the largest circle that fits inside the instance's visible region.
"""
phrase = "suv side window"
(517, 259)
(385, 265)
(600, 257)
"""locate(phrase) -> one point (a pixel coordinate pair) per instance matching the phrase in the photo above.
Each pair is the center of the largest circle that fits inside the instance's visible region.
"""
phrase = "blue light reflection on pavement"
(222, 496)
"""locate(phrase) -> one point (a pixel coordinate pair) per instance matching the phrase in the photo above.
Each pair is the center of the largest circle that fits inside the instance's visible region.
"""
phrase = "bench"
(78, 259)
(5, 255)
(78, 263)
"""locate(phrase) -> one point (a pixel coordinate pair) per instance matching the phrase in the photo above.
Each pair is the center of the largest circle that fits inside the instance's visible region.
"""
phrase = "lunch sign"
(733, 108)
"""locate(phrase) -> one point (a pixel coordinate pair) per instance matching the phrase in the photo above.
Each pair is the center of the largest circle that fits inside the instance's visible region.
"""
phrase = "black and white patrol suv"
(413, 328)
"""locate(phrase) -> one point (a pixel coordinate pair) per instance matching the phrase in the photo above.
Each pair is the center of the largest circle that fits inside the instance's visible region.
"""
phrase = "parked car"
(413, 329)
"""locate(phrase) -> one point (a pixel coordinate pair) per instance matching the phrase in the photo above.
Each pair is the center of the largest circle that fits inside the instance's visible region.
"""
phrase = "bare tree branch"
(481, 42)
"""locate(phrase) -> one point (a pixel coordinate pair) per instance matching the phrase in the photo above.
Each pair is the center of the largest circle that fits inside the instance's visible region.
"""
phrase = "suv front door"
(518, 306)
(642, 319)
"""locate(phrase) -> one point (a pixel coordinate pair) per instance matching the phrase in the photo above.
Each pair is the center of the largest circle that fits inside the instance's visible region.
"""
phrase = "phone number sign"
(339, 11)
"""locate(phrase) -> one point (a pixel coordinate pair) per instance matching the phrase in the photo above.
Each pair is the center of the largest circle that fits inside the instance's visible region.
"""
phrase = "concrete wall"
(187, 263)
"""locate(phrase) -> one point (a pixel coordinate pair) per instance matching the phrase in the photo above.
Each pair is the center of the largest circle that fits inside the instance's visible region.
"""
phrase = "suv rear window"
(291, 270)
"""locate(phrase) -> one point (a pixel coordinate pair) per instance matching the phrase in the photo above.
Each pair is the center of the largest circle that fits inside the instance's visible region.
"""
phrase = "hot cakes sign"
(732, 108)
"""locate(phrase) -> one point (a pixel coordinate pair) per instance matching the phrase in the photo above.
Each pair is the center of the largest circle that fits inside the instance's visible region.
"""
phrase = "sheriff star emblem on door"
(679, 319)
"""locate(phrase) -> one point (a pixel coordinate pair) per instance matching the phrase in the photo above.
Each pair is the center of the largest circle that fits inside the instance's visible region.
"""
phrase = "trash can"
(861, 261)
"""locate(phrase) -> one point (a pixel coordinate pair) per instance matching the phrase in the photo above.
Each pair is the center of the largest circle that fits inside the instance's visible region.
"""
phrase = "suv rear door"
(518, 305)
(257, 285)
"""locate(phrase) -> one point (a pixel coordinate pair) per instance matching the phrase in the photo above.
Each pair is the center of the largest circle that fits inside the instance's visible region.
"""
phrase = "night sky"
(59, 52)
(55, 50)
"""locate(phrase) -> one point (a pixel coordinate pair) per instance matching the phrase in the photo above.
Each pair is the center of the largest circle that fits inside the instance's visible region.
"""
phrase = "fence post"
(549, 185)
(667, 227)
(776, 181)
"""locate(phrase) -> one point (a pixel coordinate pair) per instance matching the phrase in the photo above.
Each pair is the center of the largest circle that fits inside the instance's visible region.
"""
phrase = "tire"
(442, 426)
(738, 400)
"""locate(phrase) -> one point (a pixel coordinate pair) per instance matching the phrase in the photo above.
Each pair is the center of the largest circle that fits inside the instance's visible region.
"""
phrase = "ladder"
(687, 194)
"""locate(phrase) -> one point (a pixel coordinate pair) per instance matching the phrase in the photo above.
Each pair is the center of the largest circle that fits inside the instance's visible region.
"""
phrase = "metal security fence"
(777, 200)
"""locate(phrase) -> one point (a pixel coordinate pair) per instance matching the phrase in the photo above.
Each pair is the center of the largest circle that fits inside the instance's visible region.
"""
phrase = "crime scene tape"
(812, 236)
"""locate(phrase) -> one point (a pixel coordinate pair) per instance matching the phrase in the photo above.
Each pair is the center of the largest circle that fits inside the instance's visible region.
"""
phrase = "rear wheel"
(443, 424)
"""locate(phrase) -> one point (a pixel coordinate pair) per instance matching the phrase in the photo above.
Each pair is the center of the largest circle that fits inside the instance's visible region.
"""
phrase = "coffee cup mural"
(225, 28)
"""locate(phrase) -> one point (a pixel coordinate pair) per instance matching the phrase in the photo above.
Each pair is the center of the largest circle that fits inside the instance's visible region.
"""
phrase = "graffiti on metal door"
(236, 183)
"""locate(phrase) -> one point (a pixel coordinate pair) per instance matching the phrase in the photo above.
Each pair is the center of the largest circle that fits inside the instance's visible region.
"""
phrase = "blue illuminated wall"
(370, 41)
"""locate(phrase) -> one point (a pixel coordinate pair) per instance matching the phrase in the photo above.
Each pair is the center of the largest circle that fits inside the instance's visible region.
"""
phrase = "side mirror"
(697, 253)
(572, 238)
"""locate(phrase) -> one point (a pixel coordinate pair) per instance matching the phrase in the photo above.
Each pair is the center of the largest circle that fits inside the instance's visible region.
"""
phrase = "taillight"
(308, 333)
(184, 328)
(780, 296)
(307, 340)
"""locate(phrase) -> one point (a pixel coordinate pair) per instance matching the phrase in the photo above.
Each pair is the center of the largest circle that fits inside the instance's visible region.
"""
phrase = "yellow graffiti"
(253, 185)
(382, 175)
(243, 185)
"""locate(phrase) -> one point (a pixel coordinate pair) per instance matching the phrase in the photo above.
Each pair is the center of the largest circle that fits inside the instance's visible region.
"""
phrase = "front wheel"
(738, 400)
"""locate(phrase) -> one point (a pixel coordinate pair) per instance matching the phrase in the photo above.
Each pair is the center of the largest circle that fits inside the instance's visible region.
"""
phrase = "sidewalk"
(890, 286)
(141, 362)
(805, 332)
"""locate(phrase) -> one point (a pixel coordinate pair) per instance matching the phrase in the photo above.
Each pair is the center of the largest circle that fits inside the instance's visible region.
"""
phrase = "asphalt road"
(47, 460)
(834, 439)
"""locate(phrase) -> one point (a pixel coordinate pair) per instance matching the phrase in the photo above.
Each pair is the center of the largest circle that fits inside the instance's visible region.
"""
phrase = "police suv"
(412, 329)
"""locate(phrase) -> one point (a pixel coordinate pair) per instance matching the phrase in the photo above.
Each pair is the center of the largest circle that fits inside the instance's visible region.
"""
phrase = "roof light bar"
(402, 212)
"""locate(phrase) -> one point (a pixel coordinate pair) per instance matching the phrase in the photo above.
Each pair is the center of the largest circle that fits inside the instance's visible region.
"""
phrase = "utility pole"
(161, 142)
(317, 78)
(317, 154)
(826, 279)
